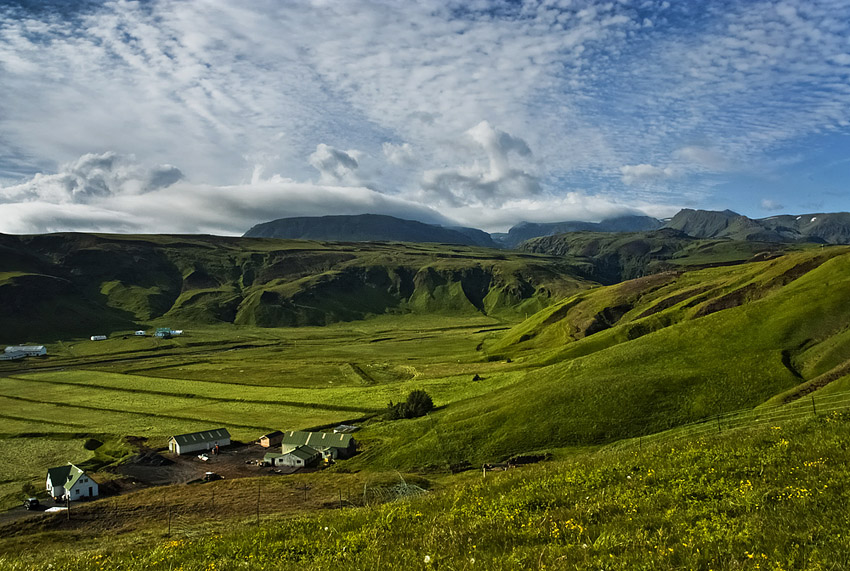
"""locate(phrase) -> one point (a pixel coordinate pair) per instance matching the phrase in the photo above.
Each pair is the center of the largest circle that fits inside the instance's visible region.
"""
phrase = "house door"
(90, 491)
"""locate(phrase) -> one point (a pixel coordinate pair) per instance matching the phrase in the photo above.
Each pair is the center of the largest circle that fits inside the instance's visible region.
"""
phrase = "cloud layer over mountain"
(115, 113)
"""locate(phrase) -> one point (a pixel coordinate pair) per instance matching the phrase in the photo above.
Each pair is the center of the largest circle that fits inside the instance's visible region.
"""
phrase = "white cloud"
(400, 155)
(334, 166)
(574, 205)
(644, 173)
(704, 157)
(221, 88)
(768, 204)
(93, 177)
(127, 201)
(491, 182)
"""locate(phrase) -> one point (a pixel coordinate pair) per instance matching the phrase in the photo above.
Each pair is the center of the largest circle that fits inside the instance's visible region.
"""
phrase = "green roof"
(66, 476)
(203, 436)
(272, 456)
(304, 453)
(316, 439)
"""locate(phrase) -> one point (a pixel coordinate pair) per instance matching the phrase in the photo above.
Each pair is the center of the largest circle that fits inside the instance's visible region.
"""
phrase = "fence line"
(804, 407)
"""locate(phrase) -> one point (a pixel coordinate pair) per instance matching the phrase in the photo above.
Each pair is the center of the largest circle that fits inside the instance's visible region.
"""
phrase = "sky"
(210, 116)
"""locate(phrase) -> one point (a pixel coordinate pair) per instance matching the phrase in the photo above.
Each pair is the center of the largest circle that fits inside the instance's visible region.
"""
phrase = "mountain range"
(825, 228)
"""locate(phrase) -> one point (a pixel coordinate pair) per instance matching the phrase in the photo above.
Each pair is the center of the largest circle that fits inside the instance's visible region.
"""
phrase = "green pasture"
(761, 498)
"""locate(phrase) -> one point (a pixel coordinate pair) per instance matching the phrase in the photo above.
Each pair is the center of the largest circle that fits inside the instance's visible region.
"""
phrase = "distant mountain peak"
(367, 228)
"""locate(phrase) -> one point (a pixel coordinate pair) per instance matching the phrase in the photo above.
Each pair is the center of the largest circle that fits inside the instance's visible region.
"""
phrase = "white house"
(27, 350)
(140, 333)
(197, 441)
(68, 481)
(98, 337)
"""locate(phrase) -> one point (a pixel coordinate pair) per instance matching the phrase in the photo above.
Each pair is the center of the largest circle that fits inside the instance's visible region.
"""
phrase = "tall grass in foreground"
(773, 497)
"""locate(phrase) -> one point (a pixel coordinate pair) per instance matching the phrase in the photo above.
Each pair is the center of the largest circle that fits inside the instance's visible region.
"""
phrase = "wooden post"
(718, 424)
(258, 503)
(169, 521)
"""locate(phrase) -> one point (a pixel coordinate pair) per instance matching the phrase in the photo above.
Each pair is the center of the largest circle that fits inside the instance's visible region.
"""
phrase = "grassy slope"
(683, 367)
(614, 257)
(771, 497)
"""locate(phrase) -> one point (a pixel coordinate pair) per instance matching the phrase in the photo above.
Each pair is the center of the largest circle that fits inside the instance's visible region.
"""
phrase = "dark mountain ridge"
(827, 228)
(367, 228)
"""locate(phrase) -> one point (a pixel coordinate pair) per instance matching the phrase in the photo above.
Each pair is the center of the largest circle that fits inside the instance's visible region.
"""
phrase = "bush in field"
(418, 403)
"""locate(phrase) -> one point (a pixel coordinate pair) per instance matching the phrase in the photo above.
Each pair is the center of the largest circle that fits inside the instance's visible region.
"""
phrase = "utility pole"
(258, 503)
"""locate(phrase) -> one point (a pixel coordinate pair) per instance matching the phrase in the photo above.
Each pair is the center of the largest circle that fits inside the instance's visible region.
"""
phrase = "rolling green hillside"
(769, 497)
(645, 355)
(82, 284)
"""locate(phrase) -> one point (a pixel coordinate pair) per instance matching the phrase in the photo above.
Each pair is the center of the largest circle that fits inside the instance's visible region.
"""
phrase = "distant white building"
(98, 337)
(68, 481)
(140, 333)
(27, 350)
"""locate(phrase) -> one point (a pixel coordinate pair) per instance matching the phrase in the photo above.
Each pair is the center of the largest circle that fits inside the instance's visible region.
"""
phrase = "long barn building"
(198, 441)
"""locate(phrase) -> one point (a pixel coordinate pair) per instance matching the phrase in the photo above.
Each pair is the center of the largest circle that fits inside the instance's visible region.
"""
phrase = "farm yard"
(248, 380)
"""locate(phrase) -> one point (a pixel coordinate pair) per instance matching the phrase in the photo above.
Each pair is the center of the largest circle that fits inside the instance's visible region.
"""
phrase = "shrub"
(418, 403)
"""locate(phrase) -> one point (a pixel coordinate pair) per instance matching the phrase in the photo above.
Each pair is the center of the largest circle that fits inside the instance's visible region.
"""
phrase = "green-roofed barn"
(336, 445)
(68, 481)
(198, 441)
(300, 457)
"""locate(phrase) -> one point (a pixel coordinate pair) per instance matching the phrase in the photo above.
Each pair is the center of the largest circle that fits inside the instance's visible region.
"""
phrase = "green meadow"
(522, 354)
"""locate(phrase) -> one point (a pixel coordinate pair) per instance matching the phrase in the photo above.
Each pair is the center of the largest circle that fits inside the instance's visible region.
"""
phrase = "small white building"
(197, 441)
(64, 482)
(140, 333)
(26, 350)
(98, 337)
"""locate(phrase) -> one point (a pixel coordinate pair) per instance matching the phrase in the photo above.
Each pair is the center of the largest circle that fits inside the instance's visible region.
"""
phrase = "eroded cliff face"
(65, 284)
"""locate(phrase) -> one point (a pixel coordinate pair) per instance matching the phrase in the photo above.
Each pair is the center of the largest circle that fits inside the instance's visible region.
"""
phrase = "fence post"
(718, 424)
(814, 410)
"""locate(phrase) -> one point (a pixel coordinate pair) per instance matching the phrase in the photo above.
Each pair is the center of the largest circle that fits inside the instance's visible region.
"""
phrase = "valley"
(578, 350)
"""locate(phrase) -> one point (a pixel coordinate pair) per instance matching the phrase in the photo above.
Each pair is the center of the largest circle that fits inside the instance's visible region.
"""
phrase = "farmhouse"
(299, 457)
(27, 350)
(98, 338)
(271, 439)
(139, 333)
(70, 482)
(196, 441)
(338, 445)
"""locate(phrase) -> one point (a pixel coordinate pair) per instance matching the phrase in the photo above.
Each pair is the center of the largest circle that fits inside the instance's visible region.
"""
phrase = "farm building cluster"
(20, 351)
(298, 449)
(306, 449)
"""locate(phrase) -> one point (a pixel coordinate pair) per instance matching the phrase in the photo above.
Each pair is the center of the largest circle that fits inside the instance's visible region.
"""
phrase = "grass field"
(770, 497)
(248, 380)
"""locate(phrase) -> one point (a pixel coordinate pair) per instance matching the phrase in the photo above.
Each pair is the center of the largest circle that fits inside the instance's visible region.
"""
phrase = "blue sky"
(178, 116)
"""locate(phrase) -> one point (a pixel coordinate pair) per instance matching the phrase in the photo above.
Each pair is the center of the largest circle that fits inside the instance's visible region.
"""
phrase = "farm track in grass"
(128, 412)
(323, 406)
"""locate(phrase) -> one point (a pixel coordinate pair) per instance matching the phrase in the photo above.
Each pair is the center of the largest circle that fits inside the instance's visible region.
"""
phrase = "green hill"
(769, 497)
(612, 258)
(643, 356)
(81, 284)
